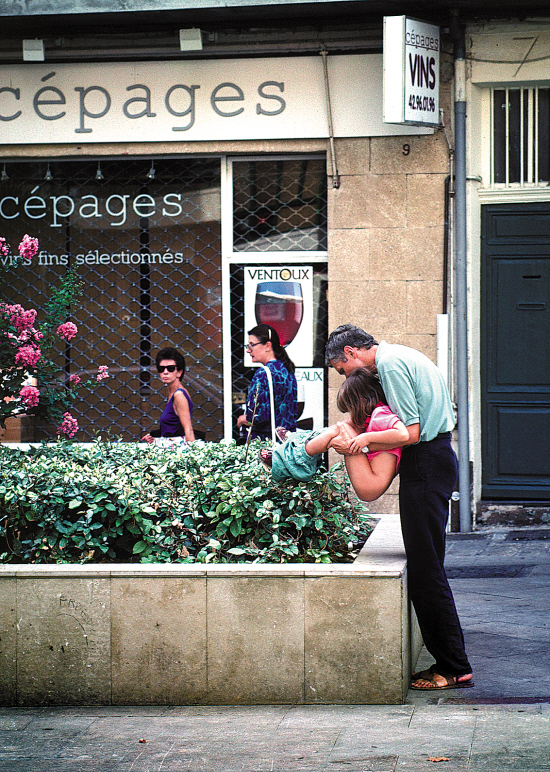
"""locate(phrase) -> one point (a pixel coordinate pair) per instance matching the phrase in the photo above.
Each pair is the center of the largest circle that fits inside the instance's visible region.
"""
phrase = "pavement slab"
(502, 724)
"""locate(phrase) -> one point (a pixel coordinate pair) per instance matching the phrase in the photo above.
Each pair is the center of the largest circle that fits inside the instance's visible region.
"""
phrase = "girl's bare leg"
(320, 443)
(370, 479)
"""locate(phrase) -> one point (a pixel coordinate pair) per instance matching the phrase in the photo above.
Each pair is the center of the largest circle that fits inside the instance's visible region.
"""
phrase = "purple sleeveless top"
(170, 425)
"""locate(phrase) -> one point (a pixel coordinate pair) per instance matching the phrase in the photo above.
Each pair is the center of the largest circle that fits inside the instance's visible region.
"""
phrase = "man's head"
(349, 348)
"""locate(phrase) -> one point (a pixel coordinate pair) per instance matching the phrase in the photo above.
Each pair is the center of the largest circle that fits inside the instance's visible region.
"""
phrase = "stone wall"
(196, 634)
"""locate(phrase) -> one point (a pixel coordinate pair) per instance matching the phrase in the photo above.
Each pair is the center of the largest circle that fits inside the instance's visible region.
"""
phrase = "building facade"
(206, 169)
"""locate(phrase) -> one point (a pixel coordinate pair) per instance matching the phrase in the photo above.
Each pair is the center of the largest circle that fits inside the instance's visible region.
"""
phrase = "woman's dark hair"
(171, 353)
(359, 395)
(265, 333)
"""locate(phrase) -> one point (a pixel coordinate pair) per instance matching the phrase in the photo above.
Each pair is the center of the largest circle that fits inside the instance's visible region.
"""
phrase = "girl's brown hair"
(359, 395)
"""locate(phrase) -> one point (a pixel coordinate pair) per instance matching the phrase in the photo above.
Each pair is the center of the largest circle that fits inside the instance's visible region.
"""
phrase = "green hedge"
(118, 502)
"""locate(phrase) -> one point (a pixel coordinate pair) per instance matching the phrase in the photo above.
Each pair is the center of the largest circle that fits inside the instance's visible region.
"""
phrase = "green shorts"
(290, 460)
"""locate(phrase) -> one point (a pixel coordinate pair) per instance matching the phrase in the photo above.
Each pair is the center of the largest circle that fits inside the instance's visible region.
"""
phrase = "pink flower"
(4, 247)
(21, 319)
(74, 380)
(103, 373)
(28, 247)
(28, 355)
(67, 331)
(30, 396)
(69, 425)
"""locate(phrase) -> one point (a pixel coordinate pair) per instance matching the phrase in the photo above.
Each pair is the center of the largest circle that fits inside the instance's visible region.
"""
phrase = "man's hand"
(341, 443)
(147, 438)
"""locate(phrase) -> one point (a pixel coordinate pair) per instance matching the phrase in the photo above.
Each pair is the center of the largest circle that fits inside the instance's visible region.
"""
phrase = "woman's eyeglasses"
(250, 346)
(169, 368)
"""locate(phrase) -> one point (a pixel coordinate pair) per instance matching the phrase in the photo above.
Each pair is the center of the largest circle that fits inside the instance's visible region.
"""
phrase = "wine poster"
(282, 298)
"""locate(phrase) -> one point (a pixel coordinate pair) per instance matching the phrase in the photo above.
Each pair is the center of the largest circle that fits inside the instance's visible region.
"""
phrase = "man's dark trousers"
(428, 473)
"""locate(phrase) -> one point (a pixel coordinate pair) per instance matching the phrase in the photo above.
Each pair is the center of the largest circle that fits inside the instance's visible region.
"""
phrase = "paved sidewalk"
(502, 589)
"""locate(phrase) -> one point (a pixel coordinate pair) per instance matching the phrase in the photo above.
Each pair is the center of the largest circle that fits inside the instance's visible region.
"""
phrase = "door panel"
(515, 355)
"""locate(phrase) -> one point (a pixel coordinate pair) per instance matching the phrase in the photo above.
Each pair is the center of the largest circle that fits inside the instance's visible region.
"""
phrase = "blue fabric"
(285, 397)
(291, 460)
(170, 425)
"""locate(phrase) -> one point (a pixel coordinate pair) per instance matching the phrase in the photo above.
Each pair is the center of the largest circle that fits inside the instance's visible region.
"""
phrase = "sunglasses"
(169, 368)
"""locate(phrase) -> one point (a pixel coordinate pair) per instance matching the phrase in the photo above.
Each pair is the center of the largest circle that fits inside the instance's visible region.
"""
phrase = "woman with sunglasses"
(265, 348)
(175, 420)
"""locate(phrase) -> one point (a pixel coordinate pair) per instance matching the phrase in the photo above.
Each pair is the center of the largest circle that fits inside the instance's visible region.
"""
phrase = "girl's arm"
(181, 406)
(386, 439)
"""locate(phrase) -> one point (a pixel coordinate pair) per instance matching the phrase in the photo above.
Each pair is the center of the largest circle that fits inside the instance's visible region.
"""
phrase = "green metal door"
(515, 352)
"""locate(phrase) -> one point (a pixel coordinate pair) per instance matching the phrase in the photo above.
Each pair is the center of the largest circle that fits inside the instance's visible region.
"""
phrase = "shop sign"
(282, 298)
(235, 99)
(411, 71)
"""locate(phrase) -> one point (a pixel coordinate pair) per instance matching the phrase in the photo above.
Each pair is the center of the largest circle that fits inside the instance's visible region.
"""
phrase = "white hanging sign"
(411, 71)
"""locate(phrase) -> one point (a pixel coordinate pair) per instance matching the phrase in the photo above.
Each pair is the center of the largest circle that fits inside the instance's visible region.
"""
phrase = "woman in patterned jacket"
(265, 348)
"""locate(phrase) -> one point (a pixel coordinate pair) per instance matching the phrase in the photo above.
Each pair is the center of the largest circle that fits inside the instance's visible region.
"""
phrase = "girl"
(265, 348)
(370, 472)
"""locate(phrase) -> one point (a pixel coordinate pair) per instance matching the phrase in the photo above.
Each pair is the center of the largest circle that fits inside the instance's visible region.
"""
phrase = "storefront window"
(521, 136)
(145, 236)
(278, 272)
(279, 205)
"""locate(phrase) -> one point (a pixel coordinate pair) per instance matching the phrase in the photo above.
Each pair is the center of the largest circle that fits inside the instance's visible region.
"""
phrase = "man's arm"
(341, 445)
(379, 444)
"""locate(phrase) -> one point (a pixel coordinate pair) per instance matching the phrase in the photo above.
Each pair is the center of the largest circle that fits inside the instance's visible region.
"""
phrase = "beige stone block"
(64, 644)
(406, 253)
(160, 657)
(255, 640)
(353, 155)
(425, 200)
(387, 504)
(348, 254)
(424, 302)
(428, 154)
(353, 649)
(387, 200)
(373, 200)
(348, 204)
(8, 642)
(376, 306)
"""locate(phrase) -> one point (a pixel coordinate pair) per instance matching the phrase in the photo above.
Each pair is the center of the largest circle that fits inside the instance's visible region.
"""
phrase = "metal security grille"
(145, 235)
(279, 218)
(521, 137)
(280, 205)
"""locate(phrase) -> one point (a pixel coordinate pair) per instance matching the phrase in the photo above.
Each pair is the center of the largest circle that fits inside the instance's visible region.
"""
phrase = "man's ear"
(349, 351)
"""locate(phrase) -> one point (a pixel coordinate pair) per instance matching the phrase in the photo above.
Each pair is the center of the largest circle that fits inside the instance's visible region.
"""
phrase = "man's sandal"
(452, 681)
(266, 457)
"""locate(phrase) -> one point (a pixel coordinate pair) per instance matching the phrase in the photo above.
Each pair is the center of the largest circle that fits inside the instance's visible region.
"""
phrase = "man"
(416, 391)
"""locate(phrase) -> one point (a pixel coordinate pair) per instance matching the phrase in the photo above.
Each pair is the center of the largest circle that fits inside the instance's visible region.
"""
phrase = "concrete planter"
(190, 634)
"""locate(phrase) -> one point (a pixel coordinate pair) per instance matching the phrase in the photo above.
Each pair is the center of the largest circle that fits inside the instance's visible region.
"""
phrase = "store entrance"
(515, 351)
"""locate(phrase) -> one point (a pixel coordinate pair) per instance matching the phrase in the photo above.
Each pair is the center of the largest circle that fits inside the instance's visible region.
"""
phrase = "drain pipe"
(461, 277)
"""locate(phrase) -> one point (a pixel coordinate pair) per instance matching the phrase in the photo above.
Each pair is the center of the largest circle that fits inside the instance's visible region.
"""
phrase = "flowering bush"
(30, 382)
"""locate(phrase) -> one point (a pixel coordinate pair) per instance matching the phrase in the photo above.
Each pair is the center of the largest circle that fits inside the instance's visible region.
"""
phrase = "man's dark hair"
(171, 353)
(346, 335)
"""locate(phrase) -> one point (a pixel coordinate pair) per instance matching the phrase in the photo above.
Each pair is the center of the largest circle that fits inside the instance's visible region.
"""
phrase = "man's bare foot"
(430, 679)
